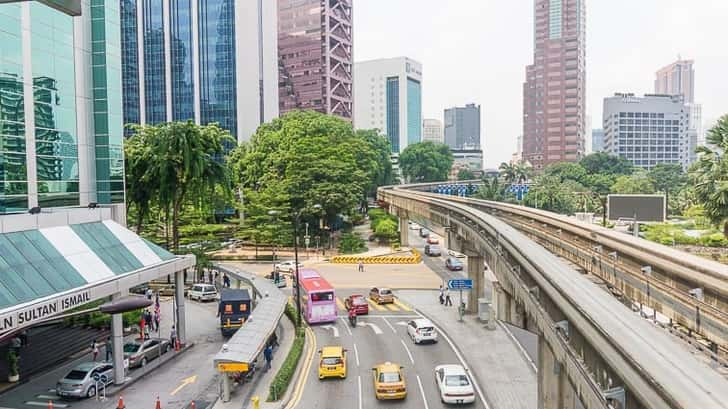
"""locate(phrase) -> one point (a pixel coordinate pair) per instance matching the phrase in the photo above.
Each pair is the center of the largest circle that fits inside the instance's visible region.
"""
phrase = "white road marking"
(55, 405)
(332, 328)
(356, 354)
(465, 365)
(389, 325)
(374, 327)
(358, 379)
(422, 391)
(346, 325)
(395, 316)
(402, 323)
(408, 351)
(49, 397)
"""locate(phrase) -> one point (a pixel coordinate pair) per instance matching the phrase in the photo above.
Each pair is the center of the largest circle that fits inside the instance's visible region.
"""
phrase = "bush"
(351, 243)
(280, 383)
(714, 240)
(386, 230)
(13, 366)
(356, 219)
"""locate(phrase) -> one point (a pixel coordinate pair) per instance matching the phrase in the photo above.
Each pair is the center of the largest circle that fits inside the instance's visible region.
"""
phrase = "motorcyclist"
(352, 316)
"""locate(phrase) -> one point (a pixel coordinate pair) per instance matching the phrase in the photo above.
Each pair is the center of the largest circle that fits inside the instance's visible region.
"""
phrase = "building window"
(393, 112)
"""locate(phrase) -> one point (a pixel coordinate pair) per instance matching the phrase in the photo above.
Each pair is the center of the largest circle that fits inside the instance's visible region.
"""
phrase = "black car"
(453, 264)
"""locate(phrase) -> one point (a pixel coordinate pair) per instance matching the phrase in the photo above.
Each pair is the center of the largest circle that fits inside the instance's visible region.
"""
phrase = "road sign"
(232, 367)
(460, 284)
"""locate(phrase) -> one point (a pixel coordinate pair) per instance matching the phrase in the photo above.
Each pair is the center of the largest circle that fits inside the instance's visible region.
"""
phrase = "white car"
(287, 266)
(414, 226)
(203, 292)
(454, 384)
(421, 330)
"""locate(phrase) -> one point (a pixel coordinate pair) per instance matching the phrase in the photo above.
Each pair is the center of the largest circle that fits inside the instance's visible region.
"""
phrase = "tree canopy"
(426, 162)
(601, 162)
(466, 174)
(710, 175)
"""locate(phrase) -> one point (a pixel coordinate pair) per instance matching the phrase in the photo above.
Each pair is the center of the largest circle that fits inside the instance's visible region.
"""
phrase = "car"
(139, 353)
(455, 254)
(332, 363)
(381, 295)
(81, 381)
(453, 264)
(432, 240)
(421, 330)
(433, 250)
(414, 226)
(454, 384)
(277, 278)
(287, 266)
(360, 304)
(389, 381)
(424, 232)
(203, 292)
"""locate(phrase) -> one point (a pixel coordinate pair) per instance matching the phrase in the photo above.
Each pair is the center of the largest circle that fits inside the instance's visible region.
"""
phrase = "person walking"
(268, 354)
(442, 295)
(173, 337)
(142, 324)
(448, 300)
(95, 349)
(361, 265)
(108, 349)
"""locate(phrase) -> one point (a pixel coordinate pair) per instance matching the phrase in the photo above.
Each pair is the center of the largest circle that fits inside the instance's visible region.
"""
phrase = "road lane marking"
(356, 354)
(391, 307)
(50, 397)
(358, 380)
(332, 328)
(375, 305)
(402, 305)
(374, 327)
(402, 323)
(340, 304)
(399, 316)
(185, 382)
(389, 325)
(55, 405)
(409, 354)
(346, 325)
(422, 392)
(305, 369)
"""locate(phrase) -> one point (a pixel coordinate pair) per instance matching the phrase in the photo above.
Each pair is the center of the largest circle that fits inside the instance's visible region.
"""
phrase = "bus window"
(322, 296)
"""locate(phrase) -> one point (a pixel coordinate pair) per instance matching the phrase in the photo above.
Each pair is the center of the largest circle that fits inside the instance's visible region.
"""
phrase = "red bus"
(318, 300)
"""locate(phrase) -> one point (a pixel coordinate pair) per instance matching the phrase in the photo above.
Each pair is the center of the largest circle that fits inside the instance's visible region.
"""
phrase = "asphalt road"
(379, 337)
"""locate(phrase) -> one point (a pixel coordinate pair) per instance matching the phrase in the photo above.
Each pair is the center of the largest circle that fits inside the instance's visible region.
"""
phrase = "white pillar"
(403, 232)
(179, 288)
(117, 345)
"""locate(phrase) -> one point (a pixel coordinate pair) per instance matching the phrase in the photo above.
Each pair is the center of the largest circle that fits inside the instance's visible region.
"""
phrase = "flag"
(157, 312)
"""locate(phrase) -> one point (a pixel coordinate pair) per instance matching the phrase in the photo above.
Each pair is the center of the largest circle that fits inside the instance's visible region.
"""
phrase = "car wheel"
(91, 392)
(144, 362)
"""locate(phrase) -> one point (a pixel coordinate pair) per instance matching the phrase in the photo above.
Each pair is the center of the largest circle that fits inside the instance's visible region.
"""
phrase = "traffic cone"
(120, 405)
(192, 405)
(50, 404)
(158, 405)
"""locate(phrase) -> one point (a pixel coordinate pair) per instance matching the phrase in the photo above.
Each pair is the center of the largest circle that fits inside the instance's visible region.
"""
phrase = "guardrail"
(415, 258)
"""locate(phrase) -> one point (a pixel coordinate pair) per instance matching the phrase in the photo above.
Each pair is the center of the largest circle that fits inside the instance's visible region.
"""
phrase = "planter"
(13, 378)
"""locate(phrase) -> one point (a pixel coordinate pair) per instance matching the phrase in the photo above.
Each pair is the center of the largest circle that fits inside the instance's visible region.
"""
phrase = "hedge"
(283, 378)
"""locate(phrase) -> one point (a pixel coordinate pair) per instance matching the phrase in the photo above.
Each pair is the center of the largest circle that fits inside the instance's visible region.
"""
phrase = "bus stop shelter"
(242, 349)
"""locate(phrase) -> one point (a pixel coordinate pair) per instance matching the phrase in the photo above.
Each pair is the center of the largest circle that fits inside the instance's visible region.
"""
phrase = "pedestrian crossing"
(397, 306)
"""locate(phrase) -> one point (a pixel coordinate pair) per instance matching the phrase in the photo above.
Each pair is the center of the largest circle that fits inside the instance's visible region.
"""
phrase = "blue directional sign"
(460, 284)
(519, 189)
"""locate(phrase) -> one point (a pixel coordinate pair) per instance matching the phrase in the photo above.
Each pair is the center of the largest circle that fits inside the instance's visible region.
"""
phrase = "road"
(379, 337)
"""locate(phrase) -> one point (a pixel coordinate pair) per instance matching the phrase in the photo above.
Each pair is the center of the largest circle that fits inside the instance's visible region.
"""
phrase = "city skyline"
(616, 61)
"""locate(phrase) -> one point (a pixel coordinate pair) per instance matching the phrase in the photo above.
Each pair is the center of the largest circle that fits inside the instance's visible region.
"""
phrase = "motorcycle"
(352, 320)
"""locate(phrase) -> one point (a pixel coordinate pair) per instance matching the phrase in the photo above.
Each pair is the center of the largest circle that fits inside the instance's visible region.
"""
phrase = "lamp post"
(647, 271)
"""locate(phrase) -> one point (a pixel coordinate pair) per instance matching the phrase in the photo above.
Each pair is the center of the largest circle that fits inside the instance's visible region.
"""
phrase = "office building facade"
(179, 62)
(432, 131)
(462, 127)
(554, 92)
(597, 137)
(61, 142)
(647, 130)
(315, 56)
(678, 78)
(388, 97)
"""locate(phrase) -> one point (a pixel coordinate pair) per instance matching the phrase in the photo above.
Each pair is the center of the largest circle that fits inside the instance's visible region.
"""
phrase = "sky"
(477, 51)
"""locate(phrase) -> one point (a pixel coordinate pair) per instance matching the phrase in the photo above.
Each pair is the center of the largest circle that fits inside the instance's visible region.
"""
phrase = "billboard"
(643, 208)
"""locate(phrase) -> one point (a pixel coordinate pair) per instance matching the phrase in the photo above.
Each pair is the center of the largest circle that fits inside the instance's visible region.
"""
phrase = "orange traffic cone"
(159, 404)
(192, 405)
(50, 404)
(121, 403)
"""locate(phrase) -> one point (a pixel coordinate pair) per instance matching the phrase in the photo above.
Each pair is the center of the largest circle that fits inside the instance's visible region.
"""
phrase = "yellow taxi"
(389, 381)
(332, 363)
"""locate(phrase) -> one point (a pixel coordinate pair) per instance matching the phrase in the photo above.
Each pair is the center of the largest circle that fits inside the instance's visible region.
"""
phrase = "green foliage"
(492, 189)
(550, 193)
(667, 234)
(466, 174)
(636, 183)
(280, 382)
(709, 175)
(386, 229)
(13, 362)
(714, 240)
(377, 215)
(604, 163)
(426, 162)
(352, 243)
(515, 173)
(376, 159)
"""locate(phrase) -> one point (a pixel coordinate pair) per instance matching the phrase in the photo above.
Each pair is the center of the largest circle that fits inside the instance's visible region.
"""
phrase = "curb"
(299, 373)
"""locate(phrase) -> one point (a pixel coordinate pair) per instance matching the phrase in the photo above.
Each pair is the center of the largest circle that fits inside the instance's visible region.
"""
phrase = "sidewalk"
(241, 395)
(507, 378)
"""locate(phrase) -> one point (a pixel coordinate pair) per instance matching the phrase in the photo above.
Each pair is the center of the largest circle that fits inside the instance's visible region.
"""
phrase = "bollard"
(256, 402)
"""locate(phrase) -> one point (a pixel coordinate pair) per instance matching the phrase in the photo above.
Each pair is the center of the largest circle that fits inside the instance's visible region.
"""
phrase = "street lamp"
(647, 271)
(274, 214)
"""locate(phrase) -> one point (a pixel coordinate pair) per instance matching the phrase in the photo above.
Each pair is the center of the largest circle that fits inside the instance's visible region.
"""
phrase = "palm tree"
(508, 172)
(491, 189)
(523, 172)
(710, 175)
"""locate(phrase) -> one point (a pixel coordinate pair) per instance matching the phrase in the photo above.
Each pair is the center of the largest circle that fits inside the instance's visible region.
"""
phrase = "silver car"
(139, 353)
(81, 381)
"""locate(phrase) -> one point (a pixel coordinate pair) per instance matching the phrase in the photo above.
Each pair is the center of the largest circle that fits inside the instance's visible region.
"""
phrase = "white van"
(203, 292)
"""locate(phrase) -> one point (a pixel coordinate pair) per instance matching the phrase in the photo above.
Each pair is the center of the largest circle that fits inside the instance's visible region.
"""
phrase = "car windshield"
(426, 329)
(331, 361)
(358, 300)
(388, 377)
(76, 375)
(131, 348)
(455, 261)
(433, 248)
(456, 380)
(385, 291)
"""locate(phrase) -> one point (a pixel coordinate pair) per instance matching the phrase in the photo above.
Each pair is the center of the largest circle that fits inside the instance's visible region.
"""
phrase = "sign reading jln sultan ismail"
(40, 311)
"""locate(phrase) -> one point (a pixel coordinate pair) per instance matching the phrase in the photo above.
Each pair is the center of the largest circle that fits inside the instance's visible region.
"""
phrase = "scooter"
(352, 320)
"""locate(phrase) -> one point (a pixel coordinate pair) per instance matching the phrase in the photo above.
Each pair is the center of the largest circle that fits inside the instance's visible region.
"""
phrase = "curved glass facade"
(181, 60)
(130, 68)
(155, 88)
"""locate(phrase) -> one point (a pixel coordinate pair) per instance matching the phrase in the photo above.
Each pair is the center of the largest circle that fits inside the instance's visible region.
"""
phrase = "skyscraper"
(678, 78)
(60, 120)
(553, 94)
(315, 56)
(432, 130)
(389, 98)
(462, 127)
(179, 62)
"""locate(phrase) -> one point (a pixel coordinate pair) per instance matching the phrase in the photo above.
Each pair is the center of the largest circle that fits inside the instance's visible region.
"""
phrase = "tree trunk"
(604, 213)
(166, 226)
(667, 203)
(140, 220)
(175, 225)
(725, 230)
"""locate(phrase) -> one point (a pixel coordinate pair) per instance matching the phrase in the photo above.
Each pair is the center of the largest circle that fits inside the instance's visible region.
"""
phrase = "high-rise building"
(647, 130)
(388, 97)
(678, 78)
(462, 127)
(597, 140)
(432, 130)
(61, 132)
(180, 62)
(553, 94)
(315, 56)
(517, 156)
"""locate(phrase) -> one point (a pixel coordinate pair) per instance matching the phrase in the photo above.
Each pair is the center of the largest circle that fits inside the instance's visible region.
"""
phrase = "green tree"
(567, 171)
(380, 173)
(604, 163)
(491, 189)
(426, 162)
(709, 175)
(141, 186)
(466, 174)
(668, 178)
(636, 183)
(515, 173)
(386, 230)
(600, 185)
(550, 193)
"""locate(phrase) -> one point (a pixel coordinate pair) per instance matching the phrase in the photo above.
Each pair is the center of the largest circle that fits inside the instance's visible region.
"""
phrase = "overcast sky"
(477, 50)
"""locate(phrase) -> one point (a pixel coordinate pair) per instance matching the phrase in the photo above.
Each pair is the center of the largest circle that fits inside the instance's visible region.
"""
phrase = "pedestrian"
(225, 280)
(156, 321)
(442, 295)
(209, 276)
(142, 324)
(173, 337)
(148, 319)
(94, 349)
(149, 293)
(268, 354)
(448, 300)
(361, 266)
(109, 349)
(146, 331)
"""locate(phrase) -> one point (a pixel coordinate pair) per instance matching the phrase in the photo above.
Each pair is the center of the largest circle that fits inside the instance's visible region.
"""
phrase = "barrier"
(415, 258)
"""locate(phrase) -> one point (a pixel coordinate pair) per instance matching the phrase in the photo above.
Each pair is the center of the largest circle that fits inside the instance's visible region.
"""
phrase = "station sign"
(232, 367)
(460, 284)
(43, 310)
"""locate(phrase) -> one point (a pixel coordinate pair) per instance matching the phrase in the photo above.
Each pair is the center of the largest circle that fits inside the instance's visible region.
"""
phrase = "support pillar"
(179, 288)
(549, 374)
(515, 314)
(117, 345)
(404, 232)
(476, 270)
(226, 387)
